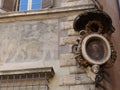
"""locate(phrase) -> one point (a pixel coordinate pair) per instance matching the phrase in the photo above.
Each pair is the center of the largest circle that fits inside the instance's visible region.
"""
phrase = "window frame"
(45, 4)
(24, 81)
(29, 6)
(13, 78)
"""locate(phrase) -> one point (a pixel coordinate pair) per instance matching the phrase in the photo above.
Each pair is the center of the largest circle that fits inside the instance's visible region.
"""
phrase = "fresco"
(29, 41)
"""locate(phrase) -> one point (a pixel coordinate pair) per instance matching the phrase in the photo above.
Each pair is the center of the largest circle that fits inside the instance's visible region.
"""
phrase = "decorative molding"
(47, 11)
(49, 70)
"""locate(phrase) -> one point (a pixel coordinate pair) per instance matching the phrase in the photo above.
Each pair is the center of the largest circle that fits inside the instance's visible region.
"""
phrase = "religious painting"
(95, 49)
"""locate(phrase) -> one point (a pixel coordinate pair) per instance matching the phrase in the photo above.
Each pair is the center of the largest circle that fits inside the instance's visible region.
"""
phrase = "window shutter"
(47, 3)
(9, 5)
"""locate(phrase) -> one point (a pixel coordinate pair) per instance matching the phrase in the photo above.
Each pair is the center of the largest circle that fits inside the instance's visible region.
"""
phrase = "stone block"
(82, 87)
(72, 0)
(70, 48)
(77, 79)
(71, 32)
(82, 79)
(76, 3)
(68, 40)
(71, 18)
(76, 70)
(67, 80)
(67, 60)
(66, 25)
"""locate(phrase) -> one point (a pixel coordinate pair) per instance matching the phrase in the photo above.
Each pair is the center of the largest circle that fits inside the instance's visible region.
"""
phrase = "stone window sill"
(47, 11)
(48, 70)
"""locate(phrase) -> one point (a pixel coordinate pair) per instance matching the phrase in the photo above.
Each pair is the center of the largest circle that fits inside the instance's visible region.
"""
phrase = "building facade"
(36, 45)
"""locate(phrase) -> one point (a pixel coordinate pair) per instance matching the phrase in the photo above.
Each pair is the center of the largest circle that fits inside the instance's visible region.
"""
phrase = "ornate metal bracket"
(94, 49)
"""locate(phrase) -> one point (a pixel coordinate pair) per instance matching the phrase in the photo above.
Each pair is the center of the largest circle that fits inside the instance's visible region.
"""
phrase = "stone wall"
(44, 38)
(69, 3)
(77, 78)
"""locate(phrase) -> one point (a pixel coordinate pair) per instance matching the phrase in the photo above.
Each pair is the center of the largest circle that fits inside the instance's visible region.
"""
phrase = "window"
(24, 5)
(30, 5)
(27, 79)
